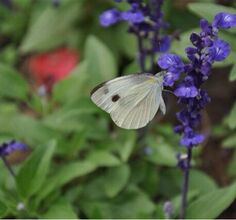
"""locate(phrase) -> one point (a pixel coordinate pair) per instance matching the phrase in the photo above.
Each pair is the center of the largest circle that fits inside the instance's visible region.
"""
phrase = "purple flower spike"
(206, 48)
(8, 147)
(171, 62)
(219, 50)
(109, 17)
(145, 21)
(224, 20)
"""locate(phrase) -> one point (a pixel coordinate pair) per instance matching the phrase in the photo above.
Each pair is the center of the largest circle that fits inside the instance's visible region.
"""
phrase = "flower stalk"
(185, 184)
(141, 54)
(206, 49)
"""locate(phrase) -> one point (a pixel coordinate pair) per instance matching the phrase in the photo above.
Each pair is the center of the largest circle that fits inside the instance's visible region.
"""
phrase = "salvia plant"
(145, 20)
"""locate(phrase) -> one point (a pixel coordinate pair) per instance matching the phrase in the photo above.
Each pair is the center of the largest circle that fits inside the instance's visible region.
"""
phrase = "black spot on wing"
(106, 90)
(115, 98)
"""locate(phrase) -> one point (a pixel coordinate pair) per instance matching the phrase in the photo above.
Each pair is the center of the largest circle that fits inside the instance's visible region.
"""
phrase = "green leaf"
(159, 214)
(210, 205)
(3, 209)
(100, 61)
(26, 128)
(162, 152)
(12, 84)
(116, 178)
(72, 86)
(131, 204)
(231, 167)
(192, 194)
(128, 140)
(207, 183)
(132, 68)
(230, 141)
(103, 159)
(209, 10)
(62, 209)
(67, 173)
(123, 39)
(34, 171)
(148, 176)
(70, 118)
(232, 75)
(50, 29)
(231, 118)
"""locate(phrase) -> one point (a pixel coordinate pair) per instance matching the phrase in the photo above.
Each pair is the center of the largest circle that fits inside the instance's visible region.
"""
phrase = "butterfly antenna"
(166, 90)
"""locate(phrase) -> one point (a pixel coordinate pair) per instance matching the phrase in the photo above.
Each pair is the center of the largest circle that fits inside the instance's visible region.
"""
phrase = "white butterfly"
(132, 100)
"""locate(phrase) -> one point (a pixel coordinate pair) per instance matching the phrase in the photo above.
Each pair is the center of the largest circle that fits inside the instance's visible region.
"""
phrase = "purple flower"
(171, 62)
(196, 40)
(168, 209)
(170, 78)
(191, 50)
(191, 138)
(188, 118)
(109, 17)
(203, 98)
(186, 89)
(224, 20)
(132, 16)
(182, 162)
(8, 147)
(205, 26)
(219, 50)
(205, 68)
(164, 44)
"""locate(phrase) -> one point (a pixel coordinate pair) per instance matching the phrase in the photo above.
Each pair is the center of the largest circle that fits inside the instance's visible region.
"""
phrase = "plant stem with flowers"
(145, 21)
(206, 48)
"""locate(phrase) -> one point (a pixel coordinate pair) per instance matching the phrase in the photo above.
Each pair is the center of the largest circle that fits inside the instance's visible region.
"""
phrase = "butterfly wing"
(131, 100)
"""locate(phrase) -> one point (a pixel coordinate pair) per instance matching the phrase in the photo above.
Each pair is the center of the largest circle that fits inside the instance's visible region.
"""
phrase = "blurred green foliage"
(81, 165)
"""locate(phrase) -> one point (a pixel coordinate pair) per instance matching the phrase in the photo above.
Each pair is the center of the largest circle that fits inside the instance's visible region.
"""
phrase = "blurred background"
(78, 163)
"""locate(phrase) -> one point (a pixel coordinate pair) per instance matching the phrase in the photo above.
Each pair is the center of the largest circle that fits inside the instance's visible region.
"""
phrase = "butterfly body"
(132, 100)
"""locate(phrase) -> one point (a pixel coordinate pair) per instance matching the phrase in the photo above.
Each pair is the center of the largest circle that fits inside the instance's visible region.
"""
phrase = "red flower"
(51, 66)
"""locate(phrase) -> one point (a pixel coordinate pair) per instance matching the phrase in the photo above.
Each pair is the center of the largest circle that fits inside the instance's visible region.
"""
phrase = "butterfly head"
(160, 74)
